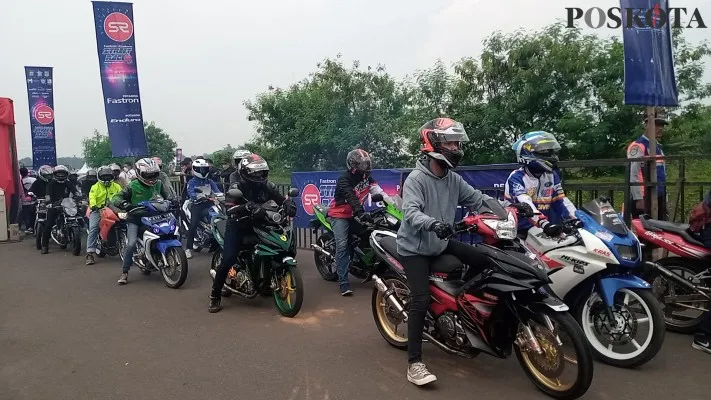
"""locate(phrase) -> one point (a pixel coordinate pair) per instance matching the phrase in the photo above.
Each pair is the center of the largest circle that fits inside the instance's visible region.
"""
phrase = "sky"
(198, 61)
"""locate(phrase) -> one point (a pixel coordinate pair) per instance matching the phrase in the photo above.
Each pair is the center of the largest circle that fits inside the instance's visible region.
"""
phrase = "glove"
(364, 218)
(289, 207)
(442, 230)
(524, 209)
(552, 230)
(577, 224)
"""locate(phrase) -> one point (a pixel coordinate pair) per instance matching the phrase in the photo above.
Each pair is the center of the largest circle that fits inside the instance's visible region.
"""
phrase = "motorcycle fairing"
(609, 285)
(615, 242)
(164, 245)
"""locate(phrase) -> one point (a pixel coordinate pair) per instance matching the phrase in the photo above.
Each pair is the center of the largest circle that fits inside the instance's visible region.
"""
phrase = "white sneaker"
(418, 374)
(188, 253)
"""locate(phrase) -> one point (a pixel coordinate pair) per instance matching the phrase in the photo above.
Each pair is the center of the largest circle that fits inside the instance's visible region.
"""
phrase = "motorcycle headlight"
(276, 217)
(70, 211)
(626, 252)
(504, 230)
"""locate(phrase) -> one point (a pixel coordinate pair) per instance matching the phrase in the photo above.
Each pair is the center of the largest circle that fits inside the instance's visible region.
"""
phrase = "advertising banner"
(115, 42)
(41, 104)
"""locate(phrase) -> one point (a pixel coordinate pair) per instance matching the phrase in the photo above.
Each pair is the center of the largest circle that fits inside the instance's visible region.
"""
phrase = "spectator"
(638, 170)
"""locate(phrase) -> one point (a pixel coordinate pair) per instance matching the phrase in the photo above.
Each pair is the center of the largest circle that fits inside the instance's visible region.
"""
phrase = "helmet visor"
(203, 171)
(544, 144)
(454, 133)
(150, 177)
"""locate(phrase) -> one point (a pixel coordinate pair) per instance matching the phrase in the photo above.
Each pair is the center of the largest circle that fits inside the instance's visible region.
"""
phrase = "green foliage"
(97, 148)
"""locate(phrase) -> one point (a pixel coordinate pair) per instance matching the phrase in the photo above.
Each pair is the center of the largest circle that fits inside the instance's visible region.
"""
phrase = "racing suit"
(638, 170)
(544, 194)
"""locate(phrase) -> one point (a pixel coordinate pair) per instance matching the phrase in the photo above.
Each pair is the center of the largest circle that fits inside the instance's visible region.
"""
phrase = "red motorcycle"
(112, 233)
(492, 311)
(681, 282)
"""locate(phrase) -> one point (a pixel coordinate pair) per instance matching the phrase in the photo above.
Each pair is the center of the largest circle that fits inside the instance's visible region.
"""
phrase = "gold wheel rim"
(548, 346)
(287, 289)
(381, 307)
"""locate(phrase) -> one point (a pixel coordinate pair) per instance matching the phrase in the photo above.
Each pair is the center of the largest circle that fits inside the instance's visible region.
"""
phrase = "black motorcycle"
(66, 230)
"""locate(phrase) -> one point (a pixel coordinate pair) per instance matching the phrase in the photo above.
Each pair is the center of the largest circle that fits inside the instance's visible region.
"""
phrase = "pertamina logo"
(310, 197)
(43, 114)
(118, 27)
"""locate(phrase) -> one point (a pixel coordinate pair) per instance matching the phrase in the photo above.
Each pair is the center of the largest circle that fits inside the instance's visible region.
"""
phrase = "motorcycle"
(204, 238)
(267, 257)
(681, 282)
(40, 219)
(592, 269)
(492, 311)
(112, 233)
(66, 231)
(362, 262)
(159, 247)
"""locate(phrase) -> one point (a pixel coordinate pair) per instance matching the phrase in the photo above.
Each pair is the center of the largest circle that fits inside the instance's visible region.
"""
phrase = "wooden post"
(652, 136)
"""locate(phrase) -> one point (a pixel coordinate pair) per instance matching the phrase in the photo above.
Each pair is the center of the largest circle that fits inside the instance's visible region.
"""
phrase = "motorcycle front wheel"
(289, 296)
(176, 272)
(75, 240)
(548, 368)
(38, 235)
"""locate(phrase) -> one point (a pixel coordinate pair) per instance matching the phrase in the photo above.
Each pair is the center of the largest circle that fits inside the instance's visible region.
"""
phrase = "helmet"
(115, 169)
(158, 161)
(32, 173)
(435, 133)
(254, 168)
(201, 168)
(91, 176)
(73, 176)
(538, 151)
(105, 175)
(147, 171)
(358, 161)
(45, 172)
(60, 173)
(238, 155)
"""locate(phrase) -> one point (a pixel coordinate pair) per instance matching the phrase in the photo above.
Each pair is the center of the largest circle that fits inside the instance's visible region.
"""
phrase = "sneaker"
(214, 305)
(188, 253)
(123, 279)
(89, 259)
(346, 290)
(418, 374)
(702, 342)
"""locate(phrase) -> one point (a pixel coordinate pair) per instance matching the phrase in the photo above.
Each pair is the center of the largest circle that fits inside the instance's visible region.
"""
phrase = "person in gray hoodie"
(430, 195)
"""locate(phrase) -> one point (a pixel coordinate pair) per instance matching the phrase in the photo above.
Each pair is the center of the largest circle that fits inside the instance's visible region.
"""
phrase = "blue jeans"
(94, 218)
(132, 236)
(341, 233)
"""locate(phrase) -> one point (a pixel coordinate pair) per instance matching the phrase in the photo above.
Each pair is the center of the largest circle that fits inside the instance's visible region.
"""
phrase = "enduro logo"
(118, 27)
(43, 114)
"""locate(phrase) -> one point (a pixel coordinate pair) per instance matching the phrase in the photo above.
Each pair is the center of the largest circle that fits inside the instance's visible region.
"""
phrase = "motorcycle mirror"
(376, 198)
(293, 192)
(235, 193)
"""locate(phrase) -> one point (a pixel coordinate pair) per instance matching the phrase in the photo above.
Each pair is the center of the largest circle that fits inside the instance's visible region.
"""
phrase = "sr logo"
(310, 197)
(43, 114)
(118, 27)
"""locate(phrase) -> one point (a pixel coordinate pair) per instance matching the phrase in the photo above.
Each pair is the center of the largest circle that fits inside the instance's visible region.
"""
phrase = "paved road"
(67, 331)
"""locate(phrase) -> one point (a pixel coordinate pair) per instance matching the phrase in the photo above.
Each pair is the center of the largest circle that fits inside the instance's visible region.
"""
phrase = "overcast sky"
(199, 60)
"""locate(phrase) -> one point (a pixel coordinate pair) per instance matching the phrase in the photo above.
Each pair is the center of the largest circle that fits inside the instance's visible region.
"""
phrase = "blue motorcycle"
(592, 269)
(158, 247)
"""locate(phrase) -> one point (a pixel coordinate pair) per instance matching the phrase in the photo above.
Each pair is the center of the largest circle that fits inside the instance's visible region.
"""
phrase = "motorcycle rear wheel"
(386, 319)
(583, 358)
(290, 284)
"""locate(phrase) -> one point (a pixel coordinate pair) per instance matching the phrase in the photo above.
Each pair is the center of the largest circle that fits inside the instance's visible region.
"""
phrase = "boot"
(45, 250)
(214, 305)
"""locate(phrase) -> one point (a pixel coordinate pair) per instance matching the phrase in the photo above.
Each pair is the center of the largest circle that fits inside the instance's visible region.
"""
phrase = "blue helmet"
(538, 151)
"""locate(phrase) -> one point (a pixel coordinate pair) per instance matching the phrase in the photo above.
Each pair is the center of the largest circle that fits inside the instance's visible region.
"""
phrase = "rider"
(164, 179)
(237, 160)
(90, 179)
(537, 183)
(74, 181)
(431, 194)
(39, 186)
(100, 196)
(199, 209)
(352, 189)
(116, 169)
(145, 187)
(28, 203)
(256, 189)
(57, 190)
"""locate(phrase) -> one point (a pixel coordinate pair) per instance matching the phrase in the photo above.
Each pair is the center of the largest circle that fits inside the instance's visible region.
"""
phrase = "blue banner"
(41, 101)
(649, 64)
(115, 44)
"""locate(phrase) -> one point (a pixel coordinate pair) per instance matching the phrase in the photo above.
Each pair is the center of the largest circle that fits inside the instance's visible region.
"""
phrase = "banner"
(41, 104)
(115, 44)
(649, 64)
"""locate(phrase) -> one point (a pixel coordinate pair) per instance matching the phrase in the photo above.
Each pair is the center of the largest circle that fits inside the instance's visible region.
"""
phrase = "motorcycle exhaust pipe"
(676, 279)
(321, 250)
(389, 295)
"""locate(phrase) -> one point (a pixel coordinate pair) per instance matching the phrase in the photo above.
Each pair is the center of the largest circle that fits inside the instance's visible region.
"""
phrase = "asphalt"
(67, 331)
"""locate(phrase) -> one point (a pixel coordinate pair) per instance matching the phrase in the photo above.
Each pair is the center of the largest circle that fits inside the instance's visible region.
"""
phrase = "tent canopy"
(83, 170)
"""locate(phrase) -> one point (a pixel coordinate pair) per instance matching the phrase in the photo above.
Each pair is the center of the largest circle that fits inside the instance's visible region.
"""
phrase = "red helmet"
(438, 131)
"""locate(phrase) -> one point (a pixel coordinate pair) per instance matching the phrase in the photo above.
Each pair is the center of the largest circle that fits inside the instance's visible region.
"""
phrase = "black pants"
(197, 212)
(28, 215)
(234, 232)
(417, 269)
(52, 214)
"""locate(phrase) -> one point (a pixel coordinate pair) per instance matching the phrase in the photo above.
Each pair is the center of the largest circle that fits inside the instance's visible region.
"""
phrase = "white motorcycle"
(591, 268)
(203, 236)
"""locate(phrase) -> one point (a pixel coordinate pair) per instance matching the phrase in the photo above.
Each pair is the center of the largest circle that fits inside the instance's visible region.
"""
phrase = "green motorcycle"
(267, 263)
(363, 259)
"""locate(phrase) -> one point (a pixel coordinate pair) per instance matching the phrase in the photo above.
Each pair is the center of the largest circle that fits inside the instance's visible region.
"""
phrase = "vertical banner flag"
(116, 46)
(41, 101)
(649, 63)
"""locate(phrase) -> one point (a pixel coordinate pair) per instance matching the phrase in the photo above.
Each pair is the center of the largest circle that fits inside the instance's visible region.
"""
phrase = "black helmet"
(358, 161)
(61, 173)
(105, 175)
(73, 176)
(254, 168)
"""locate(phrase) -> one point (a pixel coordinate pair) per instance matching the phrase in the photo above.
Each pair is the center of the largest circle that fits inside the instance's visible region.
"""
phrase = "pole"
(652, 165)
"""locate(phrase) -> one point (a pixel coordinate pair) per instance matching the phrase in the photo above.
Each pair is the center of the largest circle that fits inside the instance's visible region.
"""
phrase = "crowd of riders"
(431, 194)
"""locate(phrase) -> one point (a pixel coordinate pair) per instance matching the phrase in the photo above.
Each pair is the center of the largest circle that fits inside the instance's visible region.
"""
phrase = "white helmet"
(147, 171)
(201, 168)
(239, 155)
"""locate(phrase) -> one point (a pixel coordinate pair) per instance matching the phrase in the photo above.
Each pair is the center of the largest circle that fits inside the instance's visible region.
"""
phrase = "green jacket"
(136, 192)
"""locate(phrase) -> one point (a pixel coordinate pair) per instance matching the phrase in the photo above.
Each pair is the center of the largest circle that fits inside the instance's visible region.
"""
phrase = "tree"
(223, 156)
(97, 148)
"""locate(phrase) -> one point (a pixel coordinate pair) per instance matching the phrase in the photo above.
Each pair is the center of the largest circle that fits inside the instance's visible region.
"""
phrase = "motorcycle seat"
(444, 263)
(672, 227)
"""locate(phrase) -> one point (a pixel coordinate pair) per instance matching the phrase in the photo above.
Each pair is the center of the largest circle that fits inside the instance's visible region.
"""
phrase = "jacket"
(640, 148)
(100, 195)
(259, 193)
(207, 186)
(39, 188)
(428, 199)
(60, 191)
(165, 180)
(26, 186)
(351, 191)
(544, 195)
(136, 192)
